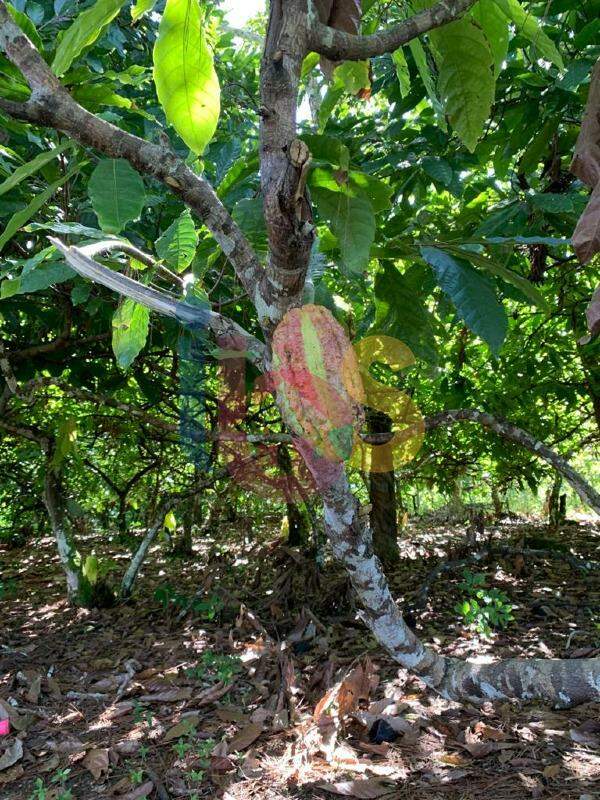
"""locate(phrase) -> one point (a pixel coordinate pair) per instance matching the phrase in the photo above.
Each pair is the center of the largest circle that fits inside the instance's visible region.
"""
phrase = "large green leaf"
(401, 313)
(23, 216)
(141, 7)
(129, 331)
(402, 72)
(499, 270)
(495, 27)
(466, 80)
(184, 74)
(26, 26)
(39, 272)
(526, 23)
(472, 294)
(117, 194)
(352, 222)
(83, 32)
(249, 215)
(420, 59)
(25, 170)
(177, 246)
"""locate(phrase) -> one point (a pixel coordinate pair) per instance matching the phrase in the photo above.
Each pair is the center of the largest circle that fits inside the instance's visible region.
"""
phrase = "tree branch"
(52, 106)
(338, 45)
(222, 327)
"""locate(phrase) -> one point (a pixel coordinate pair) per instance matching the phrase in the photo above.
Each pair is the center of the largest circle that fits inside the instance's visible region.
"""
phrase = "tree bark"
(382, 495)
(55, 505)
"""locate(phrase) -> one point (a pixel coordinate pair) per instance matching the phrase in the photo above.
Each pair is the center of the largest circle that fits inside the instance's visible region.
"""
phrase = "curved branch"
(509, 431)
(52, 106)
(222, 327)
(341, 46)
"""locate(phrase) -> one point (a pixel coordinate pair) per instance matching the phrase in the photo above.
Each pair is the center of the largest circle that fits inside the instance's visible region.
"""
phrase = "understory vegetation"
(299, 399)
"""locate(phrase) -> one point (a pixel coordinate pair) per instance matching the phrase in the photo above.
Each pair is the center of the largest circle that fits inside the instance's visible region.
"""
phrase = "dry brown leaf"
(12, 774)
(586, 236)
(12, 754)
(363, 789)
(182, 728)
(453, 760)
(357, 687)
(593, 313)
(588, 733)
(50, 764)
(487, 732)
(586, 161)
(145, 790)
(168, 696)
(97, 762)
(552, 771)
(35, 688)
(343, 15)
(20, 722)
(245, 737)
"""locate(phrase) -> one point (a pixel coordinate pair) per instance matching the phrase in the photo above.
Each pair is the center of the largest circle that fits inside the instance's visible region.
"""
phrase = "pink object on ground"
(4, 727)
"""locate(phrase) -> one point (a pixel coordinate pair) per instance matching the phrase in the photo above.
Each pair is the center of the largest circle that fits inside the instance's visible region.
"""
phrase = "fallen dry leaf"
(181, 729)
(12, 774)
(245, 737)
(145, 790)
(168, 696)
(12, 754)
(364, 789)
(97, 762)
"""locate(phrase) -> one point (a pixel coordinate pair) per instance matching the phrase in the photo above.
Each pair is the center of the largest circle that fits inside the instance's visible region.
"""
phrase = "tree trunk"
(559, 682)
(382, 495)
(55, 505)
(297, 529)
(140, 554)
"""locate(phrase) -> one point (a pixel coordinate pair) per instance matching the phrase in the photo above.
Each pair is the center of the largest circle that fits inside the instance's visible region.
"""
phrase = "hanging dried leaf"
(586, 237)
(343, 15)
(586, 165)
(586, 160)
(593, 313)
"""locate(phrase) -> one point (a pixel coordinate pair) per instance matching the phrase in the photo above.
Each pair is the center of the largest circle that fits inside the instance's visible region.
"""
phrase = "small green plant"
(136, 776)
(221, 668)
(8, 588)
(484, 609)
(40, 792)
(207, 608)
(142, 714)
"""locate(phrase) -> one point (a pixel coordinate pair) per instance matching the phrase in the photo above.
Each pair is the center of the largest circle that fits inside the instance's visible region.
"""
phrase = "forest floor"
(269, 687)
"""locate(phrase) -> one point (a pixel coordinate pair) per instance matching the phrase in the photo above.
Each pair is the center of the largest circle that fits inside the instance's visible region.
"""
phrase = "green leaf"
(83, 32)
(117, 194)
(526, 287)
(420, 58)
(141, 7)
(26, 26)
(554, 203)
(472, 294)
(526, 23)
(130, 331)
(249, 215)
(353, 76)
(184, 74)
(402, 72)
(170, 522)
(66, 441)
(352, 222)
(90, 569)
(177, 245)
(25, 170)
(495, 27)
(401, 313)
(466, 81)
(23, 216)
(438, 169)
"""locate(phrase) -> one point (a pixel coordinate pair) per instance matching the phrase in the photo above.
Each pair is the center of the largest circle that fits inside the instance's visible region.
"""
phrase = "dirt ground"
(245, 673)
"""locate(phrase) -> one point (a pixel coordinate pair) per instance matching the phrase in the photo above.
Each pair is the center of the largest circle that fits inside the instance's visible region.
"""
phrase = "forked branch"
(338, 45)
